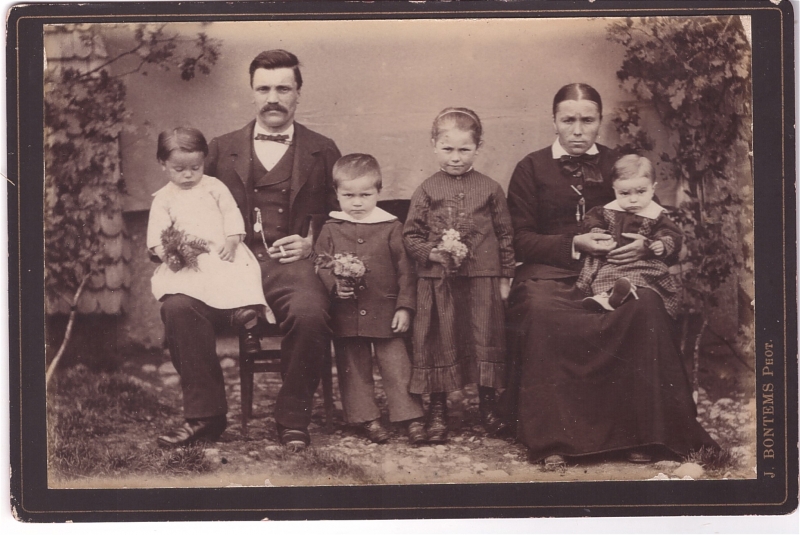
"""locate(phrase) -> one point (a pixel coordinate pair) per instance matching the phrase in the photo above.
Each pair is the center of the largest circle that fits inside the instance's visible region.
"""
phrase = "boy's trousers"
(354, 368)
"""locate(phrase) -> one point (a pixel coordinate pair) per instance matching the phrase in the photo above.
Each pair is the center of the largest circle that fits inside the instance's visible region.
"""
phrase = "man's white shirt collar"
(260, 130)
(559, 151)
(652, 211)
(377, 215)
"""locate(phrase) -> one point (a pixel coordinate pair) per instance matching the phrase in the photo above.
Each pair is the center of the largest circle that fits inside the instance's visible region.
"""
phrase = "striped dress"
(459, 327)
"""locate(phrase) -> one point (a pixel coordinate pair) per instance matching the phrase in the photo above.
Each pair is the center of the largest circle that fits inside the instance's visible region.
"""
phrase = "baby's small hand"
(401, 320)
(159, 252)
(657, 247)
(228, 251)
(437, 256)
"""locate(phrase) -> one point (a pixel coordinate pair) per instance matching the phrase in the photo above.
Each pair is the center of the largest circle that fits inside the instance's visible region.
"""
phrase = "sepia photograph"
(357, 252)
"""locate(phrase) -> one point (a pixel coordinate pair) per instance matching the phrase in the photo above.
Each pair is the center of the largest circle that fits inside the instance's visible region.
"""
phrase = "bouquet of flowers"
(347, 268)
(454, 249)
(181, 250)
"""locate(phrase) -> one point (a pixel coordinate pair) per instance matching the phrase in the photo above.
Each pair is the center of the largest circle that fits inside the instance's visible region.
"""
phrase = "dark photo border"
(773, 491)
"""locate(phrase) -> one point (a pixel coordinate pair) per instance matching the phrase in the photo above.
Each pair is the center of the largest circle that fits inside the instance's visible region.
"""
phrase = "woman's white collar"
(652, 211)
(378, 215)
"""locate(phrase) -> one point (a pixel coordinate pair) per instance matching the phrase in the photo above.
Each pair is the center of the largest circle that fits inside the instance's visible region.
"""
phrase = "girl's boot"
(437, 418)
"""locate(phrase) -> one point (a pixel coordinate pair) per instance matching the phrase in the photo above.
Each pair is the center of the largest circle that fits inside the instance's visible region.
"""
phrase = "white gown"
(206, 211)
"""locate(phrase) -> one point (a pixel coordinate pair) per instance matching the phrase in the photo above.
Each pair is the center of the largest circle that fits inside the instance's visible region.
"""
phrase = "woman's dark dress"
(585, 382)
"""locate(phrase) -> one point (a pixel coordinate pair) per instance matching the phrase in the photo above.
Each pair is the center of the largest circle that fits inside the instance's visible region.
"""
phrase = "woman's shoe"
(622, 289)
(437, 419)
(416, 433)
(554, 462)
(639, 457)
(375, 431)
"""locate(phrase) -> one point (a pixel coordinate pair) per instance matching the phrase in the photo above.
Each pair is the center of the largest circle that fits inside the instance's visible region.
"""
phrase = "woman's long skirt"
(587, 382)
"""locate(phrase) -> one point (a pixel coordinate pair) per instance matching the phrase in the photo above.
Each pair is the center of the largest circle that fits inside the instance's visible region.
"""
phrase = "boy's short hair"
(352, 166)
(632, 165)
(183, 138)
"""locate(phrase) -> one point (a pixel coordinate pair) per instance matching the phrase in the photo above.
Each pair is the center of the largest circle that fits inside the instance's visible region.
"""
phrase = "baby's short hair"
(352, 166)
(632, 165)
(183, 138)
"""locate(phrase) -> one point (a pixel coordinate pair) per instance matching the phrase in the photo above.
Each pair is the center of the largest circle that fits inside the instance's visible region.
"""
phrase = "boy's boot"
(437, 418)
(246, 320)
(489, 418)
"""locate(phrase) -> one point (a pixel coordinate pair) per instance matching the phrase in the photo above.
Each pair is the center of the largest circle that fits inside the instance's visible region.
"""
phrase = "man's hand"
(632, 252)
(594, 243)
(401, 320)
(291, 248)
(228, 251)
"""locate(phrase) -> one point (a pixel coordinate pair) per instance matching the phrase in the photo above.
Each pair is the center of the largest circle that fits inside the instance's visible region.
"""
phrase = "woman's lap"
(591, 382)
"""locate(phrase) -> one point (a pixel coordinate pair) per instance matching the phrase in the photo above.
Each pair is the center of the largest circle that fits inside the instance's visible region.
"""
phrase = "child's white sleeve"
(232, 221)
(158, 221)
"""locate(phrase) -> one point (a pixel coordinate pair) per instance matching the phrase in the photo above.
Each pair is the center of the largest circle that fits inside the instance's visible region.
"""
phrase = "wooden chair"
(269, 360)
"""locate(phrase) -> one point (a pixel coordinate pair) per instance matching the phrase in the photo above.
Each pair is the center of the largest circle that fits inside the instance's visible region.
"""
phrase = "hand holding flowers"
(450, 252)
(347, 269)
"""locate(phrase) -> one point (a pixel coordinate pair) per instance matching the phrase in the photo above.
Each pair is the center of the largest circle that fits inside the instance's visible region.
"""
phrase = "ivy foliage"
(84, 115)
(695, 72)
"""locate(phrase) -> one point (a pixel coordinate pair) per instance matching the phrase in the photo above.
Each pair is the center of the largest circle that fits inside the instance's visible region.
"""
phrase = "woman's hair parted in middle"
(632, 166)
(183, 138)
(462, 118)
(352, 166)
(577, 91)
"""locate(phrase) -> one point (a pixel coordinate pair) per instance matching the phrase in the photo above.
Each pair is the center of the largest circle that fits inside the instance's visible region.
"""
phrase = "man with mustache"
(279, 172)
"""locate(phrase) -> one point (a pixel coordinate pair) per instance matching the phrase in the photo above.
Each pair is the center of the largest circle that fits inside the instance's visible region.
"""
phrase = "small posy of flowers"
(453, 248)
(346, 267)
(180, 249)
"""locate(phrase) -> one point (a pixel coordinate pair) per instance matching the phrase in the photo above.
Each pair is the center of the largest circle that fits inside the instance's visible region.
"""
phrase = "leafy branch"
(695, 72)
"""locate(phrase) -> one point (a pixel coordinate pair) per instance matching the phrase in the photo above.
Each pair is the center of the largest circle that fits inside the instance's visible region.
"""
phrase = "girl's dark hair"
(578, 91)
(352, 166)
(633, 165)
(183, 138)
(463, 119)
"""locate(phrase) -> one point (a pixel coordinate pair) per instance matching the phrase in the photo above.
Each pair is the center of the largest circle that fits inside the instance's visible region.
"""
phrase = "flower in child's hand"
(180, 249)
(347, 268)
(453, 248)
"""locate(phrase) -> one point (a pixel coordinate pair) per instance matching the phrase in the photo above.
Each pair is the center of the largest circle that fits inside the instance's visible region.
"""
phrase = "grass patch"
(95, 429)
(715, 462)
(321, 464)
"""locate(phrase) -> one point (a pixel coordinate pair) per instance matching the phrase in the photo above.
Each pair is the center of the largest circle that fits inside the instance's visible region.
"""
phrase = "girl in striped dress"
(459, 233)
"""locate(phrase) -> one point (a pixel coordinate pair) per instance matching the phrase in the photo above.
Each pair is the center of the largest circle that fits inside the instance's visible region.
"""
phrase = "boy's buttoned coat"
(390, 282)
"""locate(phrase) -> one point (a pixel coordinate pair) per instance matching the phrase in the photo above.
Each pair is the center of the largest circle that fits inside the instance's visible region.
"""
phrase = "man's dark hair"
(277, 59)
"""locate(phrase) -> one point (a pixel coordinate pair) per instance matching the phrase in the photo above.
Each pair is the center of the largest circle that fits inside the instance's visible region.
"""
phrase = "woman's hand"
(636, 250)
(401, 320)
(593, 243)
(228, 251)
(505, 288)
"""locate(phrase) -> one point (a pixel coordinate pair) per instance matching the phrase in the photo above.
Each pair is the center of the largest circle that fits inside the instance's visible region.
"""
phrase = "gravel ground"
(255, 458)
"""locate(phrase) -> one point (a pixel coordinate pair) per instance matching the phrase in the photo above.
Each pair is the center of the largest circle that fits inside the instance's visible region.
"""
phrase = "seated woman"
(586, 382)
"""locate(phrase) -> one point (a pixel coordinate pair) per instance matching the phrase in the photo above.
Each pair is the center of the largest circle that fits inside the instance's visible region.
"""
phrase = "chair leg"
(246, 383)
(327, 389)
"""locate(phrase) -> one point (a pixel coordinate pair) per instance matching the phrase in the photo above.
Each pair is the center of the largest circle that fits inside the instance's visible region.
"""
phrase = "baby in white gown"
(227, 276)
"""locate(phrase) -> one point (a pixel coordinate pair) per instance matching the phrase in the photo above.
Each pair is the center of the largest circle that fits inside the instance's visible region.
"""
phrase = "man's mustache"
(274, 107)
